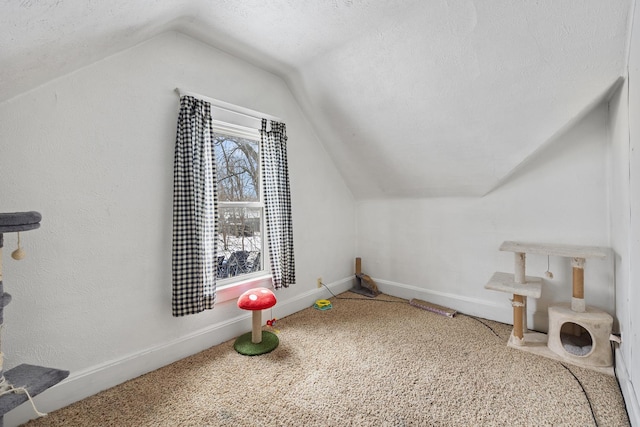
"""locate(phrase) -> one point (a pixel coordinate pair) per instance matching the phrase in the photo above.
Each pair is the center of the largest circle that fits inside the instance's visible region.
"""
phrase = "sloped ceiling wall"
(410, 98)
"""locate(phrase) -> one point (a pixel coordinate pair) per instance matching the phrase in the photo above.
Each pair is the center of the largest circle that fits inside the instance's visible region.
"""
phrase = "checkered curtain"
(277, 203)
(195, 206)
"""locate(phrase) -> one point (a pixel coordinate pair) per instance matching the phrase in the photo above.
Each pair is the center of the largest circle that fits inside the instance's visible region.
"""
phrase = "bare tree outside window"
(239, 205)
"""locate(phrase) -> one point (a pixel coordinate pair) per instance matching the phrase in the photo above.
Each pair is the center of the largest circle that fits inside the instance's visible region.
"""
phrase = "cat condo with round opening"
(578, 334)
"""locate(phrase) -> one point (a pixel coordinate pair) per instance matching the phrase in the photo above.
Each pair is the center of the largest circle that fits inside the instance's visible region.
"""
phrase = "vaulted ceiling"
(411, 98)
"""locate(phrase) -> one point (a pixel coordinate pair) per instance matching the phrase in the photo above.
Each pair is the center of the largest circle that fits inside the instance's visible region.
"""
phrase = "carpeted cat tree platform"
(21, 383)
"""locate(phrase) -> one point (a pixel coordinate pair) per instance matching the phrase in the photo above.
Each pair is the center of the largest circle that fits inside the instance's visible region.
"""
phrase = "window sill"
(230, 291)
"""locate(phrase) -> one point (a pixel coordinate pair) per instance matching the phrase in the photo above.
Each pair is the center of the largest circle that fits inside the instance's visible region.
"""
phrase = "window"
(240, 239)
(239, 234)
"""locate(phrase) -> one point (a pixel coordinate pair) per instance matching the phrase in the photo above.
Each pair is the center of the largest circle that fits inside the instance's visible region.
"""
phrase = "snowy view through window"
(240, 208)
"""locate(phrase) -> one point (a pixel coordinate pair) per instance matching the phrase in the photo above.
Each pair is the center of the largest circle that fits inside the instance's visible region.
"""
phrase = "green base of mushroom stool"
(243, 344)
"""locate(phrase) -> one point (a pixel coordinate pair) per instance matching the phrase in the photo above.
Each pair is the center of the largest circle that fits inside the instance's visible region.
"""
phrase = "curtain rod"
(252, 114)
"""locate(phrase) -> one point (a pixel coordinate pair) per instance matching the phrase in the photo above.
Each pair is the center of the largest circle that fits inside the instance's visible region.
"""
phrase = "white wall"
(633, 333)
(93, 152)
(446, 249)
(625, 223)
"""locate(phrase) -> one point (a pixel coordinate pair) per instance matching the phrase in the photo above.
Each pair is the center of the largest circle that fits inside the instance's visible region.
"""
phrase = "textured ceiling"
(411, 98)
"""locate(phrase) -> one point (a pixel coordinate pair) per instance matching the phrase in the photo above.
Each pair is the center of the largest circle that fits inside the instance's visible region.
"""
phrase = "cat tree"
(578, 334)
(19, 384)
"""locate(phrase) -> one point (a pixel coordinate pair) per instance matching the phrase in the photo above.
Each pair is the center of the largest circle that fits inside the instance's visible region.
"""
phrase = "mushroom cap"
(257, 299)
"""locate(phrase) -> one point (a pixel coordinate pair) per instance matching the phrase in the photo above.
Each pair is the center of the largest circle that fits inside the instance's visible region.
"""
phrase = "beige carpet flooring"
(362, 363)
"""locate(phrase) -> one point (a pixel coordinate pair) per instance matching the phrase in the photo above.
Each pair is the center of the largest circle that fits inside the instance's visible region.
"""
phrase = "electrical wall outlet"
(319, 282)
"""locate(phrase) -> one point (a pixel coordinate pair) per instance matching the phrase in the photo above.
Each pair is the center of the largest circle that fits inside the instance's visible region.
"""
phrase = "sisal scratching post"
(520, 259)
(256, 325)
(519, 302)
(364, 284)
(577, 302)
(518, 327)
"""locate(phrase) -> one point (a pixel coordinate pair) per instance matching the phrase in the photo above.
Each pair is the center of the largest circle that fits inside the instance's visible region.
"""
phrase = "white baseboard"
(471, 306)
(80, 385)
(628, 391)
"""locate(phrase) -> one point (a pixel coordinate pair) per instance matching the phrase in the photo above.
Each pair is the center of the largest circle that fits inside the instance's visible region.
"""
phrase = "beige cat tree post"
(564, 318)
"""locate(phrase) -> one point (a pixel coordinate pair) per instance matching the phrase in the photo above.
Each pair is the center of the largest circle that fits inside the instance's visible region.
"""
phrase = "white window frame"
(239, 124)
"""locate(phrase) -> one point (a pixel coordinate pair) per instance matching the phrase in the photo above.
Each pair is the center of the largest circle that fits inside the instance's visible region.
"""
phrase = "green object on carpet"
(243, 344)
(322, 304)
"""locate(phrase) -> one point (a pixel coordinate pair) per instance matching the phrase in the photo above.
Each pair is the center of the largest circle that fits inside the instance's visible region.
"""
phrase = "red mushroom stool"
(257, 341)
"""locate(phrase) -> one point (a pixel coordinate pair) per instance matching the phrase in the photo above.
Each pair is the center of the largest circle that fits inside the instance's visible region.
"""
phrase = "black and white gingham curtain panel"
(277, 203)
(194, 210)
